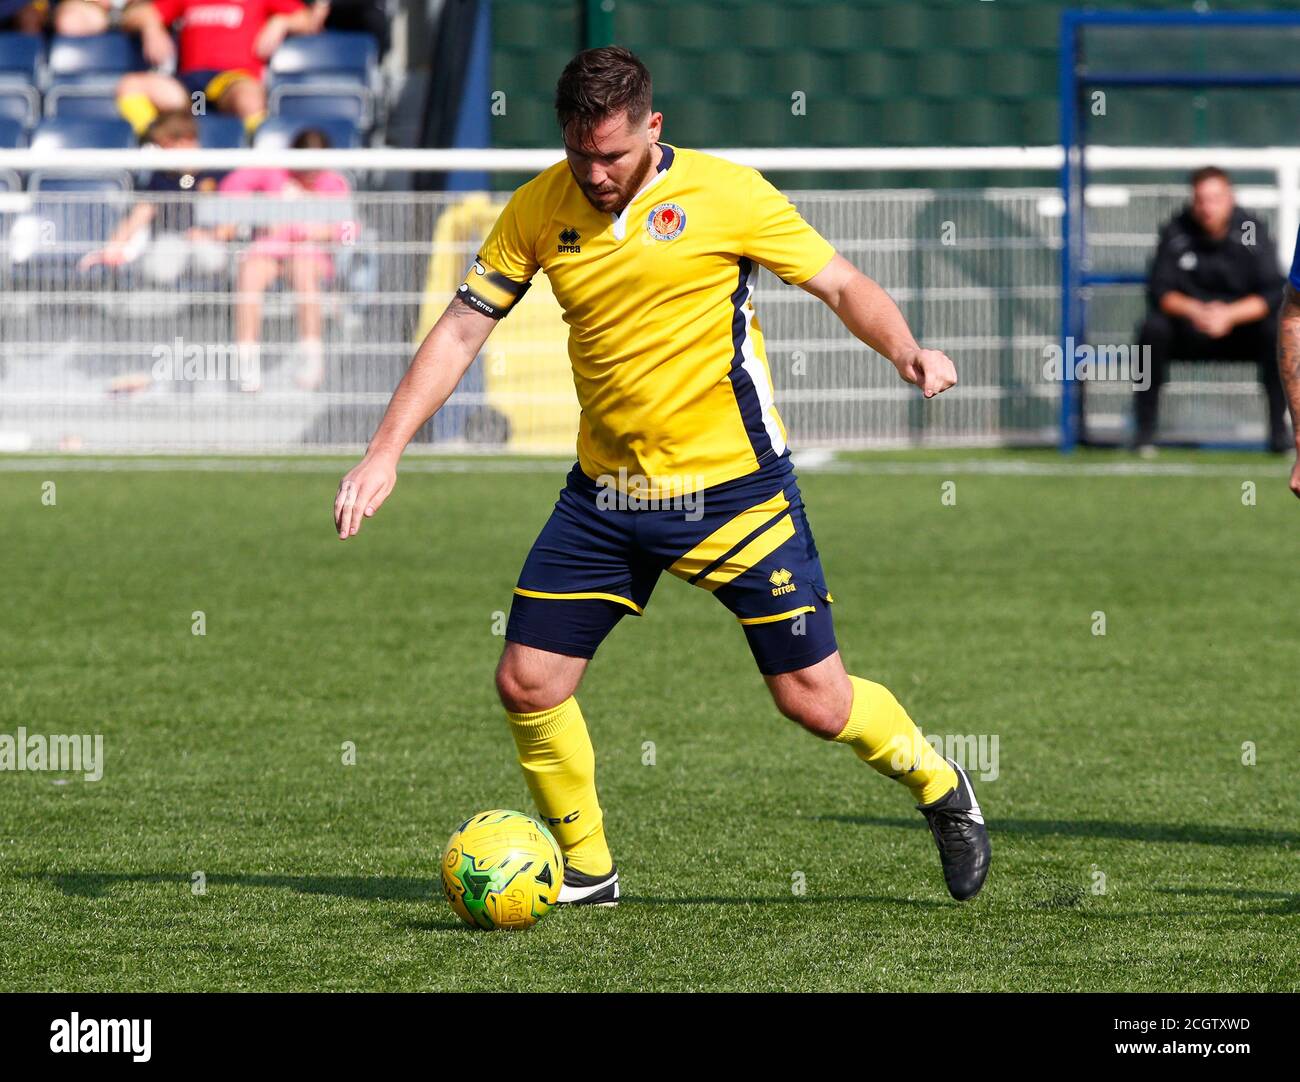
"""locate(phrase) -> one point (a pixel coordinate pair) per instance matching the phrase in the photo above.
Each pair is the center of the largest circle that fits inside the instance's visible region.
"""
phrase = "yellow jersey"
(667, 353)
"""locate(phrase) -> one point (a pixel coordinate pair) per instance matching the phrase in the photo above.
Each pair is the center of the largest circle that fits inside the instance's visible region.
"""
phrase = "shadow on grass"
(400, 889)
(1193, 833)
(805, 899)
(1286, 903)
(367, 887)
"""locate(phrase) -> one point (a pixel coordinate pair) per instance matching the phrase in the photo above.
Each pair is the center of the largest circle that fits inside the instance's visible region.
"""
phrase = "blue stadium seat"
(12, 134)
(19, 102)
(77, 102)
(220, 131)
(79, 182)
(57, 134)
(99, 58)
(335, 56)
(278, 132)
(20, 57)
(78, 224)
(322, 100)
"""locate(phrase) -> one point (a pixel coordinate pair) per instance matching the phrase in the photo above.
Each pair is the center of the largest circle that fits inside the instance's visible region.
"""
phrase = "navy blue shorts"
(746, 541)
(213, 82)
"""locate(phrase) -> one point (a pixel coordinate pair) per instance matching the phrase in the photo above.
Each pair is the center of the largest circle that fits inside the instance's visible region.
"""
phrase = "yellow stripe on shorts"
(767, 542)
(221, 82)
(750, 620)
(589, 596)
(727, 536)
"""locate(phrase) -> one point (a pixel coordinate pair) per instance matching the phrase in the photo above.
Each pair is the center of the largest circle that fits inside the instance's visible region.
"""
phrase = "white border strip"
(490, 160)
(809, 463)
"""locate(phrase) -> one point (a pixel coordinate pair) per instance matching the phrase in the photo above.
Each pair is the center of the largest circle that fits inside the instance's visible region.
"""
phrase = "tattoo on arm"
(458, 306)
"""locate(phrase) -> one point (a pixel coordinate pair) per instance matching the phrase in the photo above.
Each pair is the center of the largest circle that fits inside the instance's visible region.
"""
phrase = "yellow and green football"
(501, 869)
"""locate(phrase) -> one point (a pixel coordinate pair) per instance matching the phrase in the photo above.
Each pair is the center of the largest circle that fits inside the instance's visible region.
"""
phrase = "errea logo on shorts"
(112, 1035)
(782, 582)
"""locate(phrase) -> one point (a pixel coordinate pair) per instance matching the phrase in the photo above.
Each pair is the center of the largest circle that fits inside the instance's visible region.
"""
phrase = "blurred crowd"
(203, 58)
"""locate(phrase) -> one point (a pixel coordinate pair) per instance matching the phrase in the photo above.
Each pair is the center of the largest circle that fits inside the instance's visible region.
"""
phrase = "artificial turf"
(1120, 756)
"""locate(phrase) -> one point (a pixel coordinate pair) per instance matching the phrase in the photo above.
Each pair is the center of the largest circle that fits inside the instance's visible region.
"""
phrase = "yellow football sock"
(138, 110)
(560, 768)
(886, 739)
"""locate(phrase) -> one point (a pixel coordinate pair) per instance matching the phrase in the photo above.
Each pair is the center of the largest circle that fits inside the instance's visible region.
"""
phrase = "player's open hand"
(1295, 477)
(929, 369)
(362, 492)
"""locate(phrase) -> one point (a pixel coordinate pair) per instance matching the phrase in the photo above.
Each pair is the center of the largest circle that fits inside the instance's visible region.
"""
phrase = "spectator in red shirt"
(223, 44)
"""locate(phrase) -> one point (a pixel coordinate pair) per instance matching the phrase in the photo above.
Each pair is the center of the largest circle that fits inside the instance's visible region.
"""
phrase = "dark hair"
(172, 125)
(1210, 172)
(600, 83)
(311, 139)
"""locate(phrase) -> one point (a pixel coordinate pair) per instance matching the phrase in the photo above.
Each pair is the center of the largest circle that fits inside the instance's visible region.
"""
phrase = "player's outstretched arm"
(1288, 364)
(440, 362)
(873, 317)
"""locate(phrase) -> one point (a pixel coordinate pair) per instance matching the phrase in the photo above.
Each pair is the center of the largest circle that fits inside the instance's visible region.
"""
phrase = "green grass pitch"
(1120, 756)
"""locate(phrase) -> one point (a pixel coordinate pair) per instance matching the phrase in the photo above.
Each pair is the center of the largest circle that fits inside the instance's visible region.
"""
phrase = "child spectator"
(298, 251)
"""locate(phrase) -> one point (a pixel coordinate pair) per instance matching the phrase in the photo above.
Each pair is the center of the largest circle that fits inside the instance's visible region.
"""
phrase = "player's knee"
(822, 711)
(526, 690)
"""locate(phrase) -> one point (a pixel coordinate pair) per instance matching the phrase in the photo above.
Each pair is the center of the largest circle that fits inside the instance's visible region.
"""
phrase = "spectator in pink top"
(298, 251)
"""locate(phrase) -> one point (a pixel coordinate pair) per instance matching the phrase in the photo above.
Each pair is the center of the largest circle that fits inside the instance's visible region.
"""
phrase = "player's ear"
(654, 125)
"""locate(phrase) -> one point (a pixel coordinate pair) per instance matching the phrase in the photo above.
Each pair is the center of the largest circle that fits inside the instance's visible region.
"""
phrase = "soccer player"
(652, 251)
(1288, 355)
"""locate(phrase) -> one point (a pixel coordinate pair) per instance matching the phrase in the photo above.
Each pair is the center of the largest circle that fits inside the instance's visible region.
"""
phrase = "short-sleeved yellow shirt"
(667, 354)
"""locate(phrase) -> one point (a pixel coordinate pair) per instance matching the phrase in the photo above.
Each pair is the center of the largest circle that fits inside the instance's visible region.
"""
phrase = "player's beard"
(603, 199)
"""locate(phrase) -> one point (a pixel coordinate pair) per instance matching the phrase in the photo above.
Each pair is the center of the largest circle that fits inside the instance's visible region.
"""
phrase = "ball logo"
(666, 221)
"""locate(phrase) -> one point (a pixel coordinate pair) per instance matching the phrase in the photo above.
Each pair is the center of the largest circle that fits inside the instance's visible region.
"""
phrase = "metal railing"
(142, 356)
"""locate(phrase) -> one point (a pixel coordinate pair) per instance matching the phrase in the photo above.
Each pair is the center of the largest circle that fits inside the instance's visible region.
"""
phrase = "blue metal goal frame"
(1072, 81)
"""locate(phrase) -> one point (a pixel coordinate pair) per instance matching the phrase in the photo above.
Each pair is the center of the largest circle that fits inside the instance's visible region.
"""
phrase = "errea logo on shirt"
(569, 240)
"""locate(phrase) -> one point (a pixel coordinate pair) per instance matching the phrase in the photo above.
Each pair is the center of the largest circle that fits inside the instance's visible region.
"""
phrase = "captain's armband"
(489, 292)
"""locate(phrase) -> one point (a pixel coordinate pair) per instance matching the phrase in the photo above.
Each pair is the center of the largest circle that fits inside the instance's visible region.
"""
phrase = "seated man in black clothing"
(1213, 294)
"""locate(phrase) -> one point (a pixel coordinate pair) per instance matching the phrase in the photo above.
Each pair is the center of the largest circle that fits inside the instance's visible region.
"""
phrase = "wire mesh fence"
(144, 344)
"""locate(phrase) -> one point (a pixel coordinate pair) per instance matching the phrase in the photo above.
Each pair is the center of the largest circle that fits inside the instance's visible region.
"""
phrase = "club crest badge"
(666, 221)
